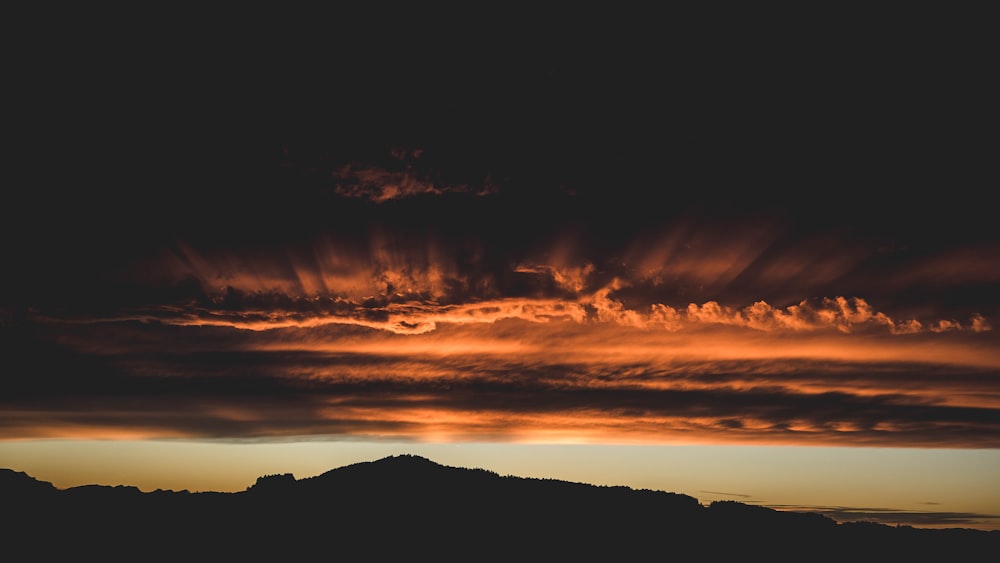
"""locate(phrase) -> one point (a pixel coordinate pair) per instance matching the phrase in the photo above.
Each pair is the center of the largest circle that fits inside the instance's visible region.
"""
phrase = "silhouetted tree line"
(273, 482)
(408, 506)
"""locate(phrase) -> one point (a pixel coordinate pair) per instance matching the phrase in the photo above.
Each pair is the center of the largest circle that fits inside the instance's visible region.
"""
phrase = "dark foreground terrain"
(408, 507)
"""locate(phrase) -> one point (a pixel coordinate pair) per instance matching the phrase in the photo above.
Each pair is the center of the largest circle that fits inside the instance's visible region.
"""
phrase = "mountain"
(409, 506)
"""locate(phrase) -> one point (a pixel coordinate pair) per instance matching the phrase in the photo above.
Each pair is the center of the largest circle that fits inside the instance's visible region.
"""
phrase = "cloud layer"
(414, 346)
(433, 250)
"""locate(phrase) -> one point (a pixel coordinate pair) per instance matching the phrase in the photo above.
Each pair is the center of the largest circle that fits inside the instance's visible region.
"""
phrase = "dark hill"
(409, 506)
(20, 483)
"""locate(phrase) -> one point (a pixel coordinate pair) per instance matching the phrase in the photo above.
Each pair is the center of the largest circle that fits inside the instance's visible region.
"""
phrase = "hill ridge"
(404, 505)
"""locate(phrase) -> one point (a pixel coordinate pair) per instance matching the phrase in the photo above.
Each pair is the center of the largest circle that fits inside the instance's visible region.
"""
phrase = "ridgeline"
(409, 506)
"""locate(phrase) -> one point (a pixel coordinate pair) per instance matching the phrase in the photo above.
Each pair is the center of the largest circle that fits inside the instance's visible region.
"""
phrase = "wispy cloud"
(398, 174)
(726, 494)
(381, 185)
(892, 516)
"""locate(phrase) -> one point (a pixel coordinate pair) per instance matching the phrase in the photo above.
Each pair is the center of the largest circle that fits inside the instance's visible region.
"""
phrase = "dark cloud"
(222, 382)
(726, 494)
(196, 221)
(928, 519)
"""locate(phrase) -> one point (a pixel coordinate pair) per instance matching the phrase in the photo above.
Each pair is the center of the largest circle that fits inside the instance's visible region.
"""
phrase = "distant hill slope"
(409, 506)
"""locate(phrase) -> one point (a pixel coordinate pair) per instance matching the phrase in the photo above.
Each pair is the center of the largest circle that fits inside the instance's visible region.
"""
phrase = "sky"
(744, 265)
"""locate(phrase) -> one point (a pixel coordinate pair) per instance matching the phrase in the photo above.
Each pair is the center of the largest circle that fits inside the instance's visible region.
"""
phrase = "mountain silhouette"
(409, 506)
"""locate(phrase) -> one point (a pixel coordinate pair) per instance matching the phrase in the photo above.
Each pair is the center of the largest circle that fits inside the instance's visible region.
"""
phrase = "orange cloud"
(486, 374)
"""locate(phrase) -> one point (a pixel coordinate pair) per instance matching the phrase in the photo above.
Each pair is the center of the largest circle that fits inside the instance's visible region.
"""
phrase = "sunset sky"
(762, 270)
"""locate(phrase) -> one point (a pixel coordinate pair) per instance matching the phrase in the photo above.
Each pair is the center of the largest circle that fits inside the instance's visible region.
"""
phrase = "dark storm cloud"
(198, 258)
